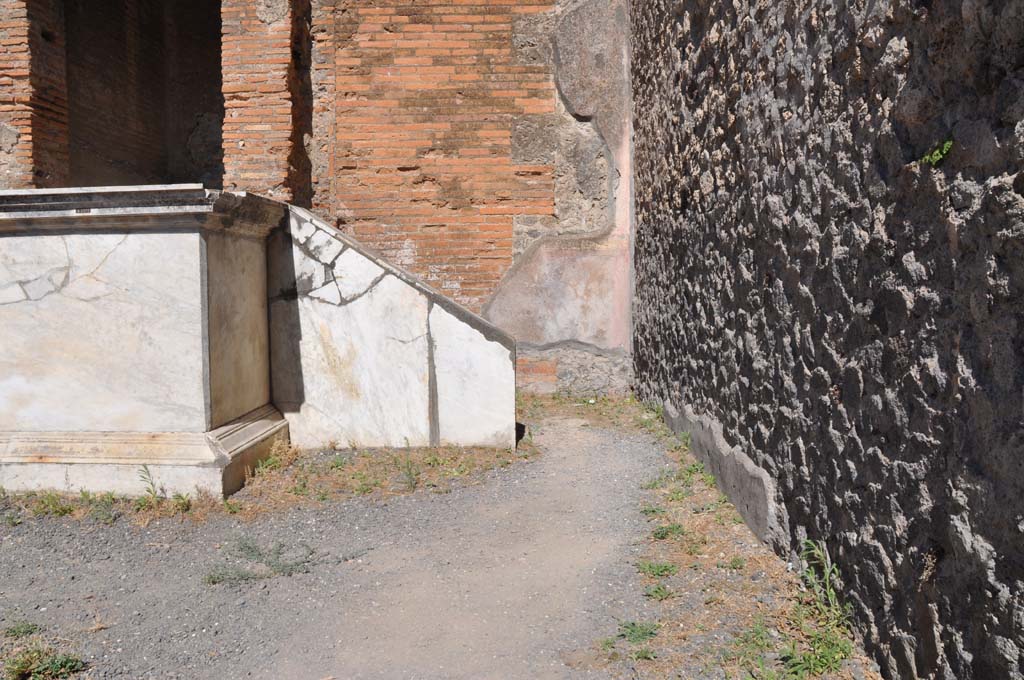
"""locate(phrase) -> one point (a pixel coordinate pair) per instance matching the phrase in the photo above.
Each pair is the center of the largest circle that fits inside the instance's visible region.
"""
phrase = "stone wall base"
(749, 486)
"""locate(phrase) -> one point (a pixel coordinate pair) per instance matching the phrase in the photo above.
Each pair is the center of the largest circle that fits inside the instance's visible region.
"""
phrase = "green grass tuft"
(269, 562)
(659, 592)
(635, 632)
(41, 663)
(668, 531)
(657, 569)
(20, 630)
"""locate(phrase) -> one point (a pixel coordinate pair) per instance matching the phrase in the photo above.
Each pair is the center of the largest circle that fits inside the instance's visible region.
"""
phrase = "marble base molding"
(216, 462)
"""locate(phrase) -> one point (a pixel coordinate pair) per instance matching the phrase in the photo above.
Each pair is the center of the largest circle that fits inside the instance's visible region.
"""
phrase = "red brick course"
(15, 95)
(418, 160)
(257, 102)
(536, 375)
(49, 94)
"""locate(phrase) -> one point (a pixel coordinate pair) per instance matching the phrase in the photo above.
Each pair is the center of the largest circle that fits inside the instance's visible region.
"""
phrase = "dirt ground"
(527, 569)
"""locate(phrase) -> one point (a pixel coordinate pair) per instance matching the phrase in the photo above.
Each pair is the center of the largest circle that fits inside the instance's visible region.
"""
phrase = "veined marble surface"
(101, 332)
(362, 354)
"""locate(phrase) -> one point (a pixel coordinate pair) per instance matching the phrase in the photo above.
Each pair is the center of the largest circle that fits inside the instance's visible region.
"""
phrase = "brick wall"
(536, 375)
(194, 110)
(115, 62)
(50, 142)
(416, 102)
(15, 96)
(256, 53)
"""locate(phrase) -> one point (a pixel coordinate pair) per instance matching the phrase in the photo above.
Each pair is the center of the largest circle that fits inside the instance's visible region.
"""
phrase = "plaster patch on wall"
(9, 138)
(567, 294)
(271, 11)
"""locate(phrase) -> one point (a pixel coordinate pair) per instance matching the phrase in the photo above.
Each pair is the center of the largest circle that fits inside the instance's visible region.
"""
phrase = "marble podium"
(134, 332)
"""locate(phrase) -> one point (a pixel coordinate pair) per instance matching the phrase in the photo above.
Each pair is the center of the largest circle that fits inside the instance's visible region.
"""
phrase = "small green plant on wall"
(935, 157)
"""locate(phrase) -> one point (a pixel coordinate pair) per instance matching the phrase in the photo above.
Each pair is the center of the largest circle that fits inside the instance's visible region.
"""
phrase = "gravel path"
(516, 577)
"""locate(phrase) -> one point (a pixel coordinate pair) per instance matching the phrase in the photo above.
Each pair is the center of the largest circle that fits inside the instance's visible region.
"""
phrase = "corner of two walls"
(567, 296)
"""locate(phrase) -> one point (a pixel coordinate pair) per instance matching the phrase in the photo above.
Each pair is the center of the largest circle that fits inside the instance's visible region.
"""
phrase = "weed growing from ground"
(819, 640)
(658, 482)
(50, 503)
(752, 644)
(41, 663)
(101, 507)
(695, 545)
(409, 473)
(270, 562)
(635, 632)
(657, 569)
(364, 483)
(643, 654)
(668, 531)
(651, 510)
(21, 630)
(181, 502)
(659, 592)
(688, 474)
(301, 486)
(679, 495)
(152, 497)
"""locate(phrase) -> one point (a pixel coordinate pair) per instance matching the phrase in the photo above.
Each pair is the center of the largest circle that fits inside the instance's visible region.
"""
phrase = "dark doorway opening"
(144, 92)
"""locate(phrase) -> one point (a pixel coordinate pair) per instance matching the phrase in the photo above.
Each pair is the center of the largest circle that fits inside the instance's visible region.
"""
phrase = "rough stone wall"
(838, 322)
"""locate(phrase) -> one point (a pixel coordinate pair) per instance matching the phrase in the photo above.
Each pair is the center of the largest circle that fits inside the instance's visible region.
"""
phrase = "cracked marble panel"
(350, 356)
(101, 332)
(476, 384)
(353, 373)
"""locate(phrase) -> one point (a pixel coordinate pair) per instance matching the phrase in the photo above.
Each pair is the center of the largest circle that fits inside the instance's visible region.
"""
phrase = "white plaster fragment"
(324, 246)
(355, 273)
(11, 293)
(133, 360)
(309, 273)
(87, 288)
(358, 373)
(328, 293)
(39, 288)
(301, 229)
(476, 384)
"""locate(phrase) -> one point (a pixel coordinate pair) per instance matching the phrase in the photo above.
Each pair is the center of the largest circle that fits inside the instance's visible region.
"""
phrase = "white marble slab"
(101, 332)
(476, 384)
(351, 360)
(363, 369)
